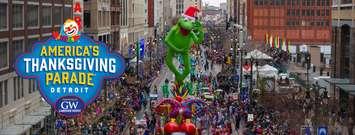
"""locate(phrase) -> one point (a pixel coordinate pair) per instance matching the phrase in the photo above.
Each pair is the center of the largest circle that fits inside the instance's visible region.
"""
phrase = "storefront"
(30, 124)
(347, 99)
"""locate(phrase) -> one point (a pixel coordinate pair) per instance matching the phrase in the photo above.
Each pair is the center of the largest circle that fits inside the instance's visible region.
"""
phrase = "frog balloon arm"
(169, 37)
(198, 36)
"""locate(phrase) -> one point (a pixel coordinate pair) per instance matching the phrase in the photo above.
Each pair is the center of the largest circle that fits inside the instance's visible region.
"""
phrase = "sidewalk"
(297, 68)
(294, 67)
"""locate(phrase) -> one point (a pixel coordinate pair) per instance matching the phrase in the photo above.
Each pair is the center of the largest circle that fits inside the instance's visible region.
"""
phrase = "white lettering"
(112, 64)
(27, 60)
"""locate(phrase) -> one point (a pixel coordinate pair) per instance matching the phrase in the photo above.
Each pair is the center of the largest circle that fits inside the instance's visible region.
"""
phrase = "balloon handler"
(179, 40)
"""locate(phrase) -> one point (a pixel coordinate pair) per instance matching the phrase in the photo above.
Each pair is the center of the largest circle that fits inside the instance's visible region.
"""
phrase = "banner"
(141, 48)
(70, 68)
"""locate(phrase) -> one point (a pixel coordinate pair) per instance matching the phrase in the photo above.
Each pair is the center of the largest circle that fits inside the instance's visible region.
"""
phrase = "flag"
(288, 46)
(270, 41)
(275, 42)
(278, 42)
(141, 48)
(266, 39)
(284, 45)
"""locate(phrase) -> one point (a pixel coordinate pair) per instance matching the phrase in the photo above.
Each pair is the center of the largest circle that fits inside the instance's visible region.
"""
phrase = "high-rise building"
(301, 21)
(181, 5)
(343, 15)
(159, 15)
(150, 13)
(137, 21)
(305, 23)
(150, 20)
(235, 10)
(124, 44)
(343, 55)
(115, 25)
(23, 22)
(97, 20)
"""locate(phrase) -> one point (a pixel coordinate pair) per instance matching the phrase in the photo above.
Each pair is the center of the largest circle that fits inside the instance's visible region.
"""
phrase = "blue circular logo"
(70, 106)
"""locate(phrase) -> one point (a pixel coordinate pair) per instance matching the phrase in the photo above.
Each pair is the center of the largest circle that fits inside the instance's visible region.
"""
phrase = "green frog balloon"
(179, 40)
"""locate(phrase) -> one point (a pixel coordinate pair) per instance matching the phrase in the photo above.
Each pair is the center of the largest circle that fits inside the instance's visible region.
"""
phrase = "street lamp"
(137, 56)
(241, 51)
(308, 61)
(234, 40)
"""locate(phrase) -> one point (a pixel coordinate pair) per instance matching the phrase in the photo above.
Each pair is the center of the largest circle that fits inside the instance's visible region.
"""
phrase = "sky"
(214, 2)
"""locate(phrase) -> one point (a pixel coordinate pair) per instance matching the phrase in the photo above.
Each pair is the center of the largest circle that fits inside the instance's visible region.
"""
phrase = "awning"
(30, 120)
(24, 124)
(15, 130)
(35, 117)
(256, 54)
(348, 88)
(337, 80)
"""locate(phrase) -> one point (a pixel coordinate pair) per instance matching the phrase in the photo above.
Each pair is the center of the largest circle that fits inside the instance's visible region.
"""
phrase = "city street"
(177, 67)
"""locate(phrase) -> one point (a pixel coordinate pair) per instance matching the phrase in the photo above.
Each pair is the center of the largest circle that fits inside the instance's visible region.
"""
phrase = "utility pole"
(240, 68)
(137, 63)
(308, 60)
(235, 51)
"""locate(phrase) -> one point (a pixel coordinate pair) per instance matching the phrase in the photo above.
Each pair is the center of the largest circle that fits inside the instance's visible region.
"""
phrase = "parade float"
(179, 111)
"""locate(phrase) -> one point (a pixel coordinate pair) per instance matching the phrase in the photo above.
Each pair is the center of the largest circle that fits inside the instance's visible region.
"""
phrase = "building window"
(3, 55)
(327, 12)
(308, 12)
(17, 47)
(312, 23)
(32, 86)
(46, 16)
(3, 93)
(318, 12)
(87, 18)
(345, 1)
(30, 43)
(17, 16)
(32, 11)
(57, 15)
(18, 88)
(3, 16)
(67, 12)
(322, 13)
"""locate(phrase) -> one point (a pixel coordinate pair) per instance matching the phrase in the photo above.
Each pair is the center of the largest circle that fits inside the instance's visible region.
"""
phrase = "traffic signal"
(227, 26)
(308, 60)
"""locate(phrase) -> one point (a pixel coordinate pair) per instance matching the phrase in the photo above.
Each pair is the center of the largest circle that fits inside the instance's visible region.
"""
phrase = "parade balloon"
(179, 40)
(174, 113)
(188, 127)
(171, 127)
(187, 113)
(179, 98)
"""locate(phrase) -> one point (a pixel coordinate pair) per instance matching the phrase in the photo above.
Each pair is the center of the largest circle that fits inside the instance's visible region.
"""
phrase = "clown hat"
(191, 12)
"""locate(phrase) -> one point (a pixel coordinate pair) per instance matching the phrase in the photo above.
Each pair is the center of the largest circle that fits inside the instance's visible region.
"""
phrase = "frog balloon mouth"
(184, 32)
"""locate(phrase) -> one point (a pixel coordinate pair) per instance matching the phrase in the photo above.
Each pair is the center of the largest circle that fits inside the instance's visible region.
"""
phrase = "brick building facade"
(300, 21)
(23, 22)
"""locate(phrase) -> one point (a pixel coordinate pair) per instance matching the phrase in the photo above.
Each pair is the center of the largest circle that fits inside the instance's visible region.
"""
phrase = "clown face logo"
(70, 28)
